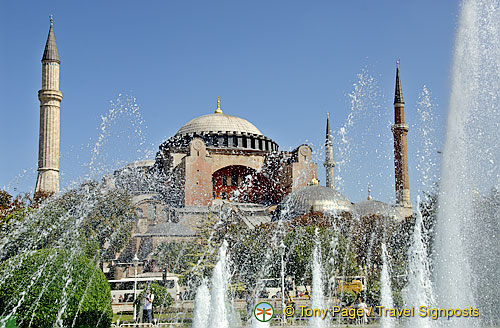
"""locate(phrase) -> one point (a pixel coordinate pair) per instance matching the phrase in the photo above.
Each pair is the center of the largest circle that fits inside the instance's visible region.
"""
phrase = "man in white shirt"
(147, 314)
(364, 306)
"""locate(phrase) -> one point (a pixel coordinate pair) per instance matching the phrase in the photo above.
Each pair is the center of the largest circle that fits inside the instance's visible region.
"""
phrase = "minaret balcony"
(400, 127)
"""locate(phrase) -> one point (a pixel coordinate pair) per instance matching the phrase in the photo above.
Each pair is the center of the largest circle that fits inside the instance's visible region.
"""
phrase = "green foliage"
(201, 255)
(348, 298)
(349, 247)
(162, 300)
(248, 254)
(86, 218)
(110, 221)
(173, 256)
(373, 292)
(300, 244)
(39, 284)
(14, 209)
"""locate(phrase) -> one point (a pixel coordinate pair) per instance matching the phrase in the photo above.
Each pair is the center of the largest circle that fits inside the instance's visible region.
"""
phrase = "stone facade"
(223, 156)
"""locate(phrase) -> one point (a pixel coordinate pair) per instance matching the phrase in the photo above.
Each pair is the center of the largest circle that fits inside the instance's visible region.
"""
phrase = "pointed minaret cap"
(218, 110)
(398, 93)
(50, 53)
(369, 192)
(328, 131)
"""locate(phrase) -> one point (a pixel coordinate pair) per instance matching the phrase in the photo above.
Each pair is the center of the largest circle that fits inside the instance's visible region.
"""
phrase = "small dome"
(213, 123)
(374, 207)
(315, 198)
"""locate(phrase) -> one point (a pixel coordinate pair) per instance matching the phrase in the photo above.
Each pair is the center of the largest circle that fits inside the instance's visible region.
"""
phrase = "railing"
(149, 325)
(240, 304)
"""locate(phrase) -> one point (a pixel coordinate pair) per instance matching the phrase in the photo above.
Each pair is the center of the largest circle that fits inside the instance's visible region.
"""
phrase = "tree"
(44, 286)
(90, 218)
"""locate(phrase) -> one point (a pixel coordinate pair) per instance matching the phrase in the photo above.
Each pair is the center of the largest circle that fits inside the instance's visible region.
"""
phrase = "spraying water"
(425, 141)
(218, 317)
(201, 306)
(419, 289)
(364, 134)
(385, 290)
(465, 274)
(318, 296)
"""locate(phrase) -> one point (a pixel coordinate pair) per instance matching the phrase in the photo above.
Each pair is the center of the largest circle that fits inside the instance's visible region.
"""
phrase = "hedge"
(45, 282)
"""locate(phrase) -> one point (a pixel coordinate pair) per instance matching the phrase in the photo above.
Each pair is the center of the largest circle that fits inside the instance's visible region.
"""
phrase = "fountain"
(386, 291)
(317, 293)
(218, 315)
(449, 267)
(201, 306)
(419, 292)
(466, 275)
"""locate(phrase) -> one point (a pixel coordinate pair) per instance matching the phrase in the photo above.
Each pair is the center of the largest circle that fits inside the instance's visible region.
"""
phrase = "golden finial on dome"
(51, 20)
(218, 110)
(369, 192)
(314, 182)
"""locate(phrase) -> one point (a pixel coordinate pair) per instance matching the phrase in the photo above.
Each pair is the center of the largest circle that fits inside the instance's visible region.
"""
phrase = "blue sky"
(279, 64)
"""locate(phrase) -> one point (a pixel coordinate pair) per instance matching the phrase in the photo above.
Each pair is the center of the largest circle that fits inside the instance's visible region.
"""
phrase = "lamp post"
(135, 261)
(282, 249)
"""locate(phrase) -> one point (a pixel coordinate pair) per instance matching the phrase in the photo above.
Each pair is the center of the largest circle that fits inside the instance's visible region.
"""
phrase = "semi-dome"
(218, 122)
(313, 198)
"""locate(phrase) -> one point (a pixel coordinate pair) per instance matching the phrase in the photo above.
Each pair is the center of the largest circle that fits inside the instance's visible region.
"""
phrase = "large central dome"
(221, 131)
(218, 122)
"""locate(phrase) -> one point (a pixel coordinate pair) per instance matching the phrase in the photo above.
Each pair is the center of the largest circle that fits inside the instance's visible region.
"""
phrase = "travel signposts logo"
(263, 312)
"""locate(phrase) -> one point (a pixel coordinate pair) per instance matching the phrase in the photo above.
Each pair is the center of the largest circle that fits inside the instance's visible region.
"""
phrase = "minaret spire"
(398, 93)
(50, 107)
(50, 53)
(329, 162)
(400, 130)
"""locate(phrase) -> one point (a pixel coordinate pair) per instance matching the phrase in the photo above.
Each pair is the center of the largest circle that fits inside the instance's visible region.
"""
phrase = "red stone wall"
(198, 183)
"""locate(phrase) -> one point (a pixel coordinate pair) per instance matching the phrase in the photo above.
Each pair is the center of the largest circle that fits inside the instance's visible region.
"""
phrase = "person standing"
(147, 314)
(250, 300)
(364, 306)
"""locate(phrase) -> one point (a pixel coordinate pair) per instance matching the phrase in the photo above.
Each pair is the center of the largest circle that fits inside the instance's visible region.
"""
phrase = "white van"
(122, 290)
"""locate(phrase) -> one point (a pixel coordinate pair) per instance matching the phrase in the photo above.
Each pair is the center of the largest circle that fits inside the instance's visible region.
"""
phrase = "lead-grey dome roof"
(315, 198)
(218, 122)
(374, 207)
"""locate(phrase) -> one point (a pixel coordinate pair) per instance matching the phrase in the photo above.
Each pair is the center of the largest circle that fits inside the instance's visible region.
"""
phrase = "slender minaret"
(50, 106)
(399, 130)
(329, 162)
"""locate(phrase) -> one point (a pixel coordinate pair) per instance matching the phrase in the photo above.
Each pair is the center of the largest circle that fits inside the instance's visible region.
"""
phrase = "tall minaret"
(329, 163)
(50, 106)
(399, 130)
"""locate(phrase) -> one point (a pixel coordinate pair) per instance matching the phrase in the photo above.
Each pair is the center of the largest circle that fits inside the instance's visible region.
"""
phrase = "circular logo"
(263, 312)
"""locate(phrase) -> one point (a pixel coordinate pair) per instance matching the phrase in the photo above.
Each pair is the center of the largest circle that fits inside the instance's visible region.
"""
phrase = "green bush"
(348, 297)
(45, 282)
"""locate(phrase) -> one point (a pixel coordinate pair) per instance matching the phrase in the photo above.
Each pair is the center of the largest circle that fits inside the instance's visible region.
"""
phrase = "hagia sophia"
(217, 160)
